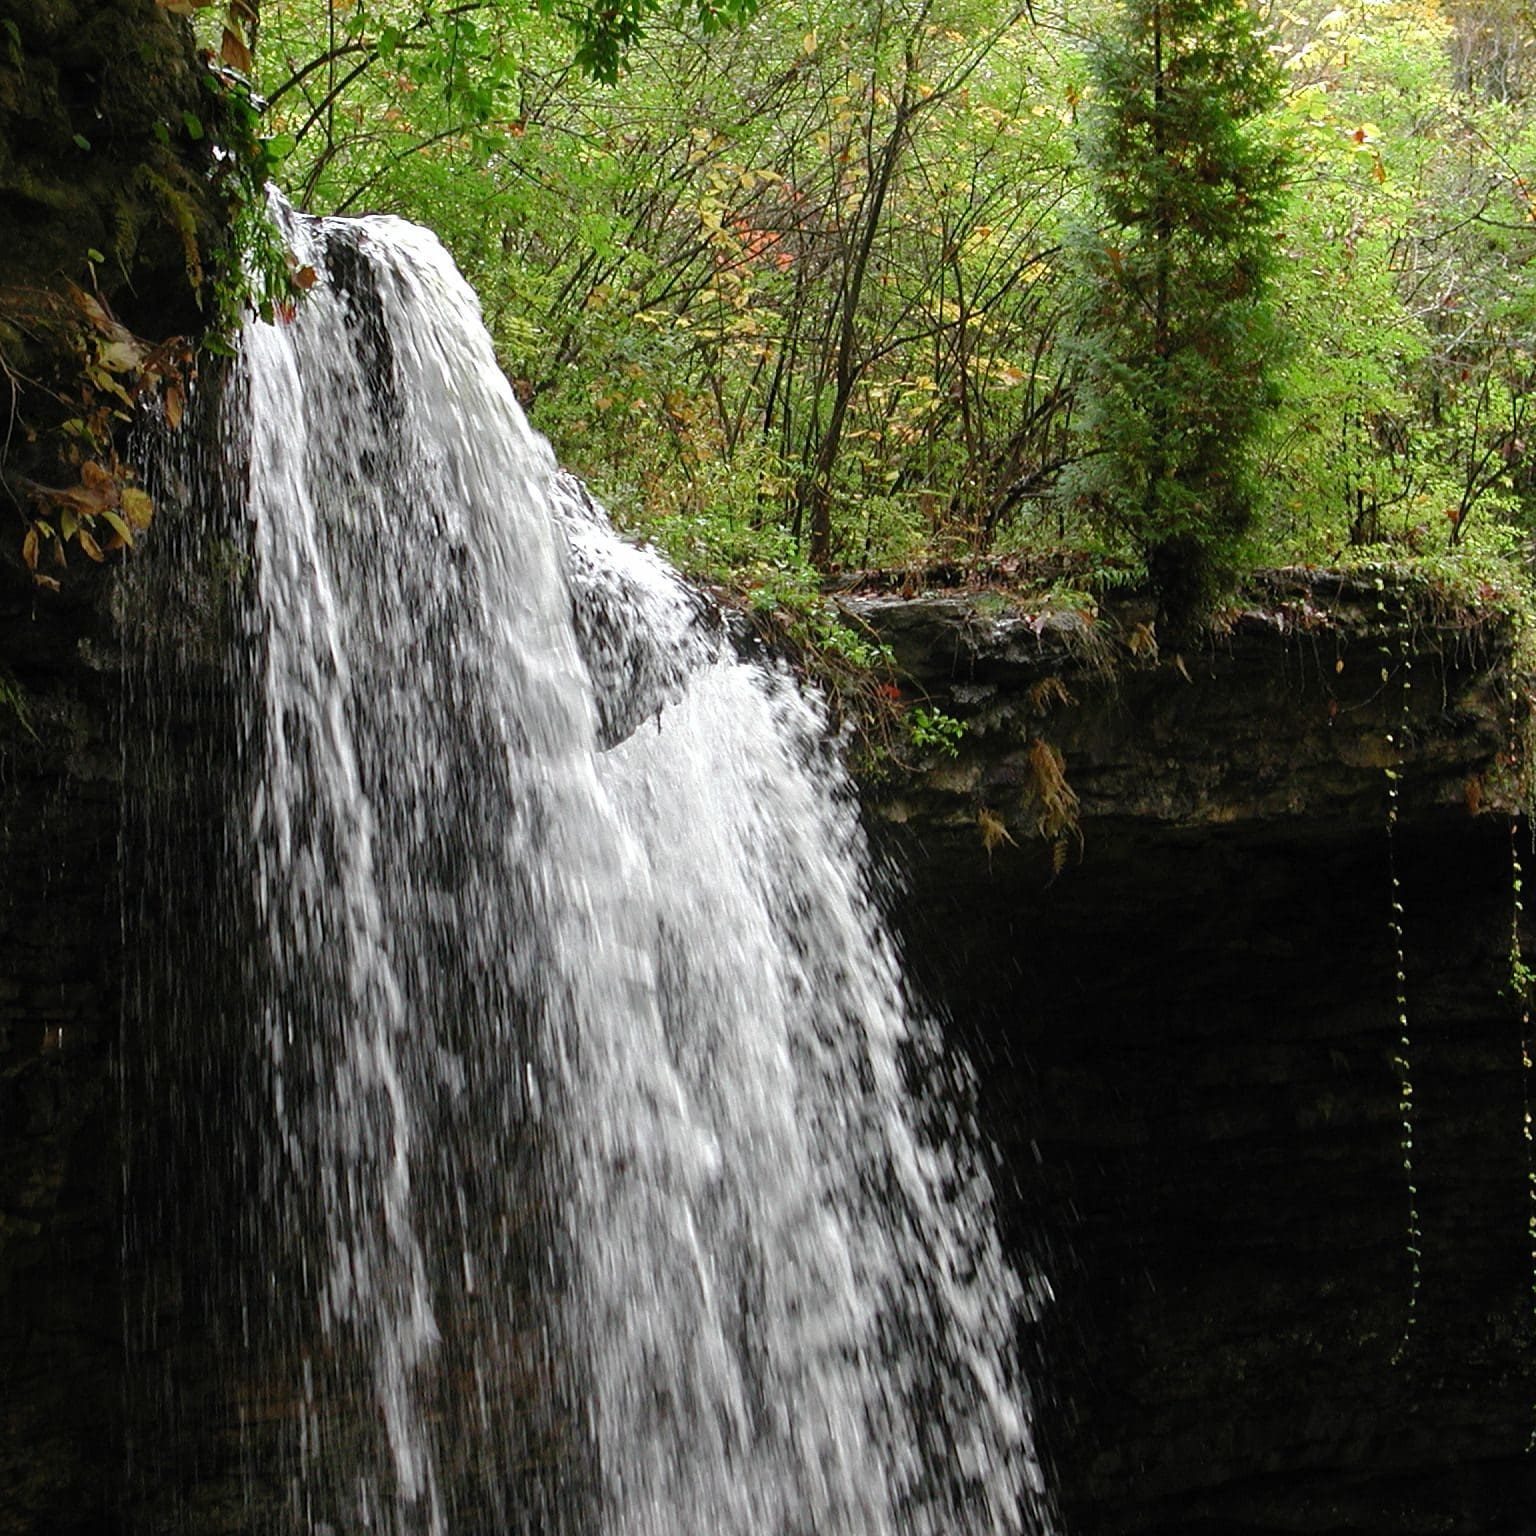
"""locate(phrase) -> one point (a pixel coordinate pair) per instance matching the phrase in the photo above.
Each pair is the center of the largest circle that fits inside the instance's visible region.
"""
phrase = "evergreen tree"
(1178, 338)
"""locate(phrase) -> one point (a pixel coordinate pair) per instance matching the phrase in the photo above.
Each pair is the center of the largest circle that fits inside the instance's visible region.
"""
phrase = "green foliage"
(254, 271)
(932, 730)
(716, 538)
(1406, 399)
(835, 287)
(746, 255)
(604, 34)
(1179, 341)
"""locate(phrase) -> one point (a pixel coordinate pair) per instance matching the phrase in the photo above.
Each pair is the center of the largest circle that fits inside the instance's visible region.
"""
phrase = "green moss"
(182, 215)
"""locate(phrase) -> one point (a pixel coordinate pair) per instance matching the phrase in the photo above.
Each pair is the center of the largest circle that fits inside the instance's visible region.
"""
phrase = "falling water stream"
(579, 1021)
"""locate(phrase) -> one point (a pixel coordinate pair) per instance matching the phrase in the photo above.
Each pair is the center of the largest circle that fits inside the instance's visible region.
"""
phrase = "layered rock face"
(1188, 1040)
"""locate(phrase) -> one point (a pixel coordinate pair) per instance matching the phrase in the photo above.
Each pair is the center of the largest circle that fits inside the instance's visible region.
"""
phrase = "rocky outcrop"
(1184, 1008)
(1293, 711)
(104, 161)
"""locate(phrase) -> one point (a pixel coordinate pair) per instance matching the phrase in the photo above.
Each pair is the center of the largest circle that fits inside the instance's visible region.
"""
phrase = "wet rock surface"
(59, 1000)
(1186, 1041)
(102, 190)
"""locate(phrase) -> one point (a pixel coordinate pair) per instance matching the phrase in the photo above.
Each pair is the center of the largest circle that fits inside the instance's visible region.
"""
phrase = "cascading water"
(583, 1042)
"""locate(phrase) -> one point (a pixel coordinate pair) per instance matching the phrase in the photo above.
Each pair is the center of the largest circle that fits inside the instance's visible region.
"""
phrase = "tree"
(1410, 379)
(1178, 340)
(325, 63)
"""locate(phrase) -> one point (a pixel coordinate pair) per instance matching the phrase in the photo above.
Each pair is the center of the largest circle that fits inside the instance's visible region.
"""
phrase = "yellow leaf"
(119, 527)
(90, 546)
(808, 43)
(137, 507)
(123, 355)
(29, 549)
(104, 380)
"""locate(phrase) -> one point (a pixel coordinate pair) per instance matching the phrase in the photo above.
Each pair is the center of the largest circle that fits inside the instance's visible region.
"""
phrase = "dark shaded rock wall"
(1186, 1044)
(119, 1063)
(96, 155)
(60, 1314)
(102, 185)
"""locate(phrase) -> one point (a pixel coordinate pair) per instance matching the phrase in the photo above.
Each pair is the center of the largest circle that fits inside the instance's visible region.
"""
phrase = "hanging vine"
(1402, 1059)
(1521, 980)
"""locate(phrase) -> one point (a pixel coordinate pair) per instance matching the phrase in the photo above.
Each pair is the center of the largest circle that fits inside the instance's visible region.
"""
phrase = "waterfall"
(608, 1180)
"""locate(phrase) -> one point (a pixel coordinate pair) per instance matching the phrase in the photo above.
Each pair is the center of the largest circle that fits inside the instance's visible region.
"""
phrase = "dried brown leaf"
(994, 830)
(234, 52)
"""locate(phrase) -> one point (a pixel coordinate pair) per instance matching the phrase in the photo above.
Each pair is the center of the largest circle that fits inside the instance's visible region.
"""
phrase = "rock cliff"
(1155, 896)
(1169, 944)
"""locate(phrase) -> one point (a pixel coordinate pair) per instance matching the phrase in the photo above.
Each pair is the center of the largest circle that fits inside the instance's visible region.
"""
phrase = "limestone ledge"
(1301, 704)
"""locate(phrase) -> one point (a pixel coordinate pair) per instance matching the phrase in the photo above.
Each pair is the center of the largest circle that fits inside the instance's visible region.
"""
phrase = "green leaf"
(119, 527)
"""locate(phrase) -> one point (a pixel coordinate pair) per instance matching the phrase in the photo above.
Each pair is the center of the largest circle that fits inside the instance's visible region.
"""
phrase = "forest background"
(808, 287)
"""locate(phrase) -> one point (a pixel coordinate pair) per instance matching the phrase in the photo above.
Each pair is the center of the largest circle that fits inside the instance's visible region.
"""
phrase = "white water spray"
(541, 863)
